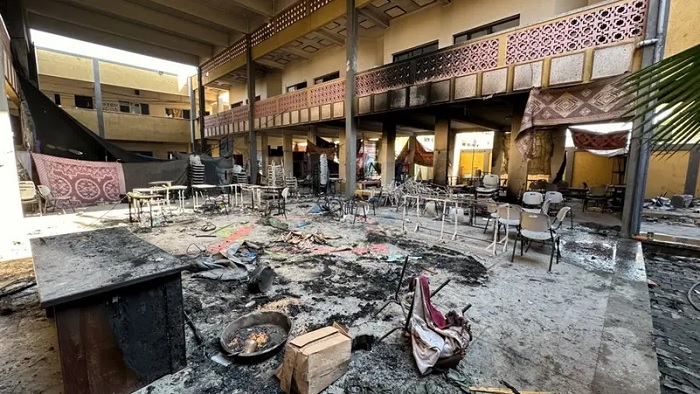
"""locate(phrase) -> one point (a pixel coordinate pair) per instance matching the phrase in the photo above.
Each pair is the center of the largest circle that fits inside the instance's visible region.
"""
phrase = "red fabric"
(596, 141)
(438, 318)
(88, 182)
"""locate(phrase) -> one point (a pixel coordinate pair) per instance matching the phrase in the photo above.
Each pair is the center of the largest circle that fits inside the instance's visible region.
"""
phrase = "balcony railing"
(489, 65)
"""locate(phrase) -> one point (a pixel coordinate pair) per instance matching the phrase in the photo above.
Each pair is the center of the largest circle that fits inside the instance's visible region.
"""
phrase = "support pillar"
(388, 158)
(558, 151)
(264, 147)
(412, 156)
(252, 140)
(497, 153)
(342, 162)
(350, 119)
(311, 134)
(517, 167)
(200, 92)
(691, 178)
(193, 109)
(288, 155)
(98, 98)
(441, 151)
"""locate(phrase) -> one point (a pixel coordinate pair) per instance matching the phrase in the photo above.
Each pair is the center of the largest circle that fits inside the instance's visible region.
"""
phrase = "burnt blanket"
(88, 182)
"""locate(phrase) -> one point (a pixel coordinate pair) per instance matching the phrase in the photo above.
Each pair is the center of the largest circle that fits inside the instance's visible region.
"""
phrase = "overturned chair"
(437, 341)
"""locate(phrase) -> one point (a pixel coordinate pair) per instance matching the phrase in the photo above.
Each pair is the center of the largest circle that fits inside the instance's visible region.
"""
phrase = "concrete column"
(98, 98)
(691, 178)
(412, 156)
(311, 134)
(441, 151)
(517, 167)
(287, 152)
(193, 108)
(388, 158)
(251, 112)
(350, 119)
(558, 149)
(200, 91)
(342, 156)
(264, 147)
(10, 203)
(497, 153)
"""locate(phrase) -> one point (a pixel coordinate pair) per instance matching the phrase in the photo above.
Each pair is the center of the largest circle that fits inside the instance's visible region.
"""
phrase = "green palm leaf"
(665, 97)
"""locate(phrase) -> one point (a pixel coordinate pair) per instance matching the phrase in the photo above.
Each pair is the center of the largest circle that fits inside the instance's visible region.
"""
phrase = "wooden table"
(117, 305)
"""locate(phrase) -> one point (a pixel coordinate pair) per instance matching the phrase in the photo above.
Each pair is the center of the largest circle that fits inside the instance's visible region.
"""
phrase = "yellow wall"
(128, 127)
(481, 162)
(441, 23)
(682, 30)
(592, 169)
(667, 174)
(78, 68)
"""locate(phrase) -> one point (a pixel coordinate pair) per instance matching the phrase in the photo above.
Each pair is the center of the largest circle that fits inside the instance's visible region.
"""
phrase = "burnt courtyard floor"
(584, 327)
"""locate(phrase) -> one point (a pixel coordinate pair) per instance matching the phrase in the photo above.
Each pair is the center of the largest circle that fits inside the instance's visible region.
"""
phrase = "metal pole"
(252, 140)
(640, 148)
(98, 98)
(193, 109)
(200, 93)
(350, 119)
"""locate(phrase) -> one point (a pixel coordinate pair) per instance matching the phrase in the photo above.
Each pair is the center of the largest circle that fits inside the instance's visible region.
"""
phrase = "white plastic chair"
(545, 207)
(536, 227)
(508, 216)
(490, 186)
(28, 195)
(559, 219)
(51, 201)
(555, 199)
(532, 202)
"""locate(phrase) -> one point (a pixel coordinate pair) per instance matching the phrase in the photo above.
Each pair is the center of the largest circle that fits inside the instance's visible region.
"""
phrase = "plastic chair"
(532, 202)
(559, 219)
(535, 227)
(509, 215)
(52, 201)
(545, 207)
(28, 194)
(490, 184)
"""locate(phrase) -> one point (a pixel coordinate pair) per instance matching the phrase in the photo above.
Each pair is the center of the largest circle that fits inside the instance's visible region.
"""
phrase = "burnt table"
(117, 304)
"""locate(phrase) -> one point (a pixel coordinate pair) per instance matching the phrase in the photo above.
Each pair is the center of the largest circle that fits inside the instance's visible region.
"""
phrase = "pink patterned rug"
(88, 182)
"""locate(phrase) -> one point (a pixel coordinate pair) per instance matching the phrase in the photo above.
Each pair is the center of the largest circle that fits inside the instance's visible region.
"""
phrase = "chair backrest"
(598, 191)
(491, 181)
(285, 193)
(559, 219)
(554, 197)
(545, 206)
(27, 190)
(533, 198)
(538, 222)
(509, 211)
(45, 192)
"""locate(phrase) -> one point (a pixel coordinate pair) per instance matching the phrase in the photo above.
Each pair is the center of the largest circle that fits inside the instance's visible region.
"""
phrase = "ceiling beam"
(91, 20)
(213, 15)
(296, 52)
(374, 17)
(270, 63)
(99, 37)
(148, 16)
(260, 7)
(446, 2)
(335, 39)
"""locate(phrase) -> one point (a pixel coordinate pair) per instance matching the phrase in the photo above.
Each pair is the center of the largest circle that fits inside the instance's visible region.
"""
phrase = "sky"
(64, 44)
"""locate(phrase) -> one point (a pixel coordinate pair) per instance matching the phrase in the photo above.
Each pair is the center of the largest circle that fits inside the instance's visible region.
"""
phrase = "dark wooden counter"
(117, 303)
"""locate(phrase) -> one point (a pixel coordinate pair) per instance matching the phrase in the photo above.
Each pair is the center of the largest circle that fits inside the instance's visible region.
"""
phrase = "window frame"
(487, 28)
(297, 86)
(409, 53)
(327, 77)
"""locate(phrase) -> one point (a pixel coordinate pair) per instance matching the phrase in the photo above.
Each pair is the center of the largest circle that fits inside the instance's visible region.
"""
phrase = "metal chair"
(508, 216)
(490, 184)
(559, 219)
(535, 227)
(532, 201)
(52, 201)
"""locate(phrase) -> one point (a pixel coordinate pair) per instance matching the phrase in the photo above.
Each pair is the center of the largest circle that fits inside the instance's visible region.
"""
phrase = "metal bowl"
(250, 320)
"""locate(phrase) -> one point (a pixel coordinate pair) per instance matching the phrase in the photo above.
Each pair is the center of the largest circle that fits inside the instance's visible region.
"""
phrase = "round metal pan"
(253, 319)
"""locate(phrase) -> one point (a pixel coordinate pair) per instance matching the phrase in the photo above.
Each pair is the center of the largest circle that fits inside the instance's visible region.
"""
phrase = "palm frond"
(665, 100)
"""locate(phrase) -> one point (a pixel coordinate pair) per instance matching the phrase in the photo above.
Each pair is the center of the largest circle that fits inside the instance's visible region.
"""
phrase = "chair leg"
(487, 224)
(515, 245)
(551, 256)
(558, 249)
(521, 245)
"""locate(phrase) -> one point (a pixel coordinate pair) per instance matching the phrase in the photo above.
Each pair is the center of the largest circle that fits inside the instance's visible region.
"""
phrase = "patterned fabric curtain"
(505, 150)
(541, 148)
(588, 140)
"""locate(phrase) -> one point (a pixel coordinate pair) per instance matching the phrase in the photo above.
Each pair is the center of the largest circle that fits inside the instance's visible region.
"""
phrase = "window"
(237, 104)
(327, 77)
(299, 86)
(495, 27)
(186, 114)
(83, 102)
(257, 98)
(145, 109)
(124, 107)
(417, 51)
(57, 99)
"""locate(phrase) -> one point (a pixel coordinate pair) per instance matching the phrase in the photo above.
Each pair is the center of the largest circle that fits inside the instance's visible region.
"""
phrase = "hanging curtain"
(588, 140)
(422, 157)
(541, 146)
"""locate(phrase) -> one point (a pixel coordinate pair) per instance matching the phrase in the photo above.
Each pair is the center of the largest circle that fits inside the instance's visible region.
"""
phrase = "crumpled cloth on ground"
(432, 337)
(222, 269)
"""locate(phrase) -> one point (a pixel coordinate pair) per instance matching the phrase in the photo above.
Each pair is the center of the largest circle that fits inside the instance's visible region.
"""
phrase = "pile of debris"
(305, 241)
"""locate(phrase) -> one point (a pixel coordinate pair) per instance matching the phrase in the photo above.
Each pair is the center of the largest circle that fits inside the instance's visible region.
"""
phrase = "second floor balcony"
(589, 44)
